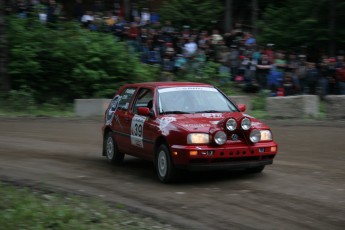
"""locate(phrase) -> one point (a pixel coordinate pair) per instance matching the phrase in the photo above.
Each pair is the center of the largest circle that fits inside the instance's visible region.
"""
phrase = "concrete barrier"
(293, 106)
(335, 106)
(90, 107)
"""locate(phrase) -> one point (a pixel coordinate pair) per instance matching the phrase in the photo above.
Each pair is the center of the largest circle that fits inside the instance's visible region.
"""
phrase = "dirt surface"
(303, 189)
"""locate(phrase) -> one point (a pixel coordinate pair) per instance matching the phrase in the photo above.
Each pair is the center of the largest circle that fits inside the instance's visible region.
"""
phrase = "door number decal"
(137, 130)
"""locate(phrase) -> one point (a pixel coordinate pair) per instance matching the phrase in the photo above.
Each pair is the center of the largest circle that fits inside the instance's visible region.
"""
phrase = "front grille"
(240, 136)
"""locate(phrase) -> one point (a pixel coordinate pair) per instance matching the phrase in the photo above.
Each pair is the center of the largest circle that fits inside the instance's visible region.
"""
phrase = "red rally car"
(184, 125)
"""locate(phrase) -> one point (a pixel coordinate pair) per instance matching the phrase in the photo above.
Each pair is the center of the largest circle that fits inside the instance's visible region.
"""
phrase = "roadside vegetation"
(22, 208)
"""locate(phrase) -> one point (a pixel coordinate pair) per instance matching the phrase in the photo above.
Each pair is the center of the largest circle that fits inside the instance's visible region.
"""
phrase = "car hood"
(203, 122)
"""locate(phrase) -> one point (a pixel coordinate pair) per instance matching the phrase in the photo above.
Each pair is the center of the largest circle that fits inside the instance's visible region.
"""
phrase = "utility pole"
(332, 27)
(228, 16)
(4, 80)
(127, 8)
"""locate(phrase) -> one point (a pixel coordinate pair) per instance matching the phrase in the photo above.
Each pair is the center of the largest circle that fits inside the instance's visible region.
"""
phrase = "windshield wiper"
(174, 112)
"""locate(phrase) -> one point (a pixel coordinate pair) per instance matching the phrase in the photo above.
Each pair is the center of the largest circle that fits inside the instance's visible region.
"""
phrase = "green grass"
(21, 208)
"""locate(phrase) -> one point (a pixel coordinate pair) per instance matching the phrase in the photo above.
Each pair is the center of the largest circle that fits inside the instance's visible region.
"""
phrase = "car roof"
(168, 84)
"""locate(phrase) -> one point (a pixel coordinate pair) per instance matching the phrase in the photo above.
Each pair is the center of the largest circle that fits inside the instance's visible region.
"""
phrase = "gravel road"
(303, 189)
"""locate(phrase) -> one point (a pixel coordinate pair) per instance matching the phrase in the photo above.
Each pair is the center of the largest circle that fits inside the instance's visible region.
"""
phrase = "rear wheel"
(111, 151)
(257, 169)
(163, 163)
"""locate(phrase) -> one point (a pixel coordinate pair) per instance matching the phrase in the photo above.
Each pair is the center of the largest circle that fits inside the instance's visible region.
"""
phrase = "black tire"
(111, 151)
(257, 169)
(163, 164)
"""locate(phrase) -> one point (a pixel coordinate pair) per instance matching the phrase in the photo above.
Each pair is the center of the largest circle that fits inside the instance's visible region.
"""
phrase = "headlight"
(220, 138)
(246, 123)
(231, 124)
(198, 138)
(266, 135)
(255, 136)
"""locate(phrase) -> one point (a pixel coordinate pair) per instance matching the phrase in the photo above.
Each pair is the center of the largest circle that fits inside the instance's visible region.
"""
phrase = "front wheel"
(163, 163)
(111, 151)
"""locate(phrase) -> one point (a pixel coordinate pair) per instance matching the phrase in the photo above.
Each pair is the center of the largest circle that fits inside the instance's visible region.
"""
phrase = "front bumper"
(225, 157)
(225, 165)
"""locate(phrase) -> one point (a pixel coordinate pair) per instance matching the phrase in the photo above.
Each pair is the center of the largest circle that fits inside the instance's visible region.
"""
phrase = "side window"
(125, 98)
(144, 99)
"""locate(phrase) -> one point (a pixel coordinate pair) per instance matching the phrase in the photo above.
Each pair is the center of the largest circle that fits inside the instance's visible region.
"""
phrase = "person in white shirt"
(190, 48)
(87, 18)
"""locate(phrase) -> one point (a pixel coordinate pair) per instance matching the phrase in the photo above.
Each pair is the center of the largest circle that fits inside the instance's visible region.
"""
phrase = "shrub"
(68, 62)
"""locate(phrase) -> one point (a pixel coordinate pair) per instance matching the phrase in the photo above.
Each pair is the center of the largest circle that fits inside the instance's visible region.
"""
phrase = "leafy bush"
(68, 62)
(22, 99)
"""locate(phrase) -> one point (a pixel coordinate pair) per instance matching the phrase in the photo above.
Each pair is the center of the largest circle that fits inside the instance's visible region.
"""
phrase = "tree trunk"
(228, 16)
(332, 27)
(4, 80)
(254, 17)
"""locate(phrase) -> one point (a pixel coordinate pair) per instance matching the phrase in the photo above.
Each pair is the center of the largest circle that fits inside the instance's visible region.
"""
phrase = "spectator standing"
(323, 77)
(135, 12)
(340, 74)
(145, 16)
(250, 40)
(269, 52)
(288, 84)
(312, 78)
(87, 19)
(154, 17)
(262, 70)
(333, 86)
(190, 48)
(301, 73)
(280, 62)
(234, 61)
(120, 28)
(133, 37)
(168, 28)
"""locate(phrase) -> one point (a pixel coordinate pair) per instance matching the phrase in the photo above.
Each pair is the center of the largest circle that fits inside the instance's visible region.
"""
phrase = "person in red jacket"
(340, 75)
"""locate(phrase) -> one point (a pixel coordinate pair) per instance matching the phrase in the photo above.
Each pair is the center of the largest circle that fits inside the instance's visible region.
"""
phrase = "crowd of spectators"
(181, 50)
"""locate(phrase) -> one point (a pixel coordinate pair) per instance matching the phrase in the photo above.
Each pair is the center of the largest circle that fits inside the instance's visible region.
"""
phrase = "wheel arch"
(159, 141)
(105, 131)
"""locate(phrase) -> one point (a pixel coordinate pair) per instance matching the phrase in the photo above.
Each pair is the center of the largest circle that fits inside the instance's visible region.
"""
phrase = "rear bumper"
(224, 165)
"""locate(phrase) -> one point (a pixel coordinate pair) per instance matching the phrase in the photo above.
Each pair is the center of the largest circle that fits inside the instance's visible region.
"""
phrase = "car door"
(142, 127)
(121, 123)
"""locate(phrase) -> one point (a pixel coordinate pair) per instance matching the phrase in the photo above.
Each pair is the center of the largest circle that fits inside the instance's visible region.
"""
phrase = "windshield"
(193, 100)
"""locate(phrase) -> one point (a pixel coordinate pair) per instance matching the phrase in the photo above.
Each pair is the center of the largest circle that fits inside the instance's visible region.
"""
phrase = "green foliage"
(298, 23)
(68, 62)
(21, 102)
(21, 99)
(197, 14)
(259, 100)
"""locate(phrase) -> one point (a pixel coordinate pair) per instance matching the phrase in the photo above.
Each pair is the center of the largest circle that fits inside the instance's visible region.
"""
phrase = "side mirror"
(144, 111)
(241, 107)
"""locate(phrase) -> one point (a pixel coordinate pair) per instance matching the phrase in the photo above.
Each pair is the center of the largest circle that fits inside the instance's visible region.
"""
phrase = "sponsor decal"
(164, 123)
(137, 130)
(110, 112)
(173, 89)
(212, 115)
